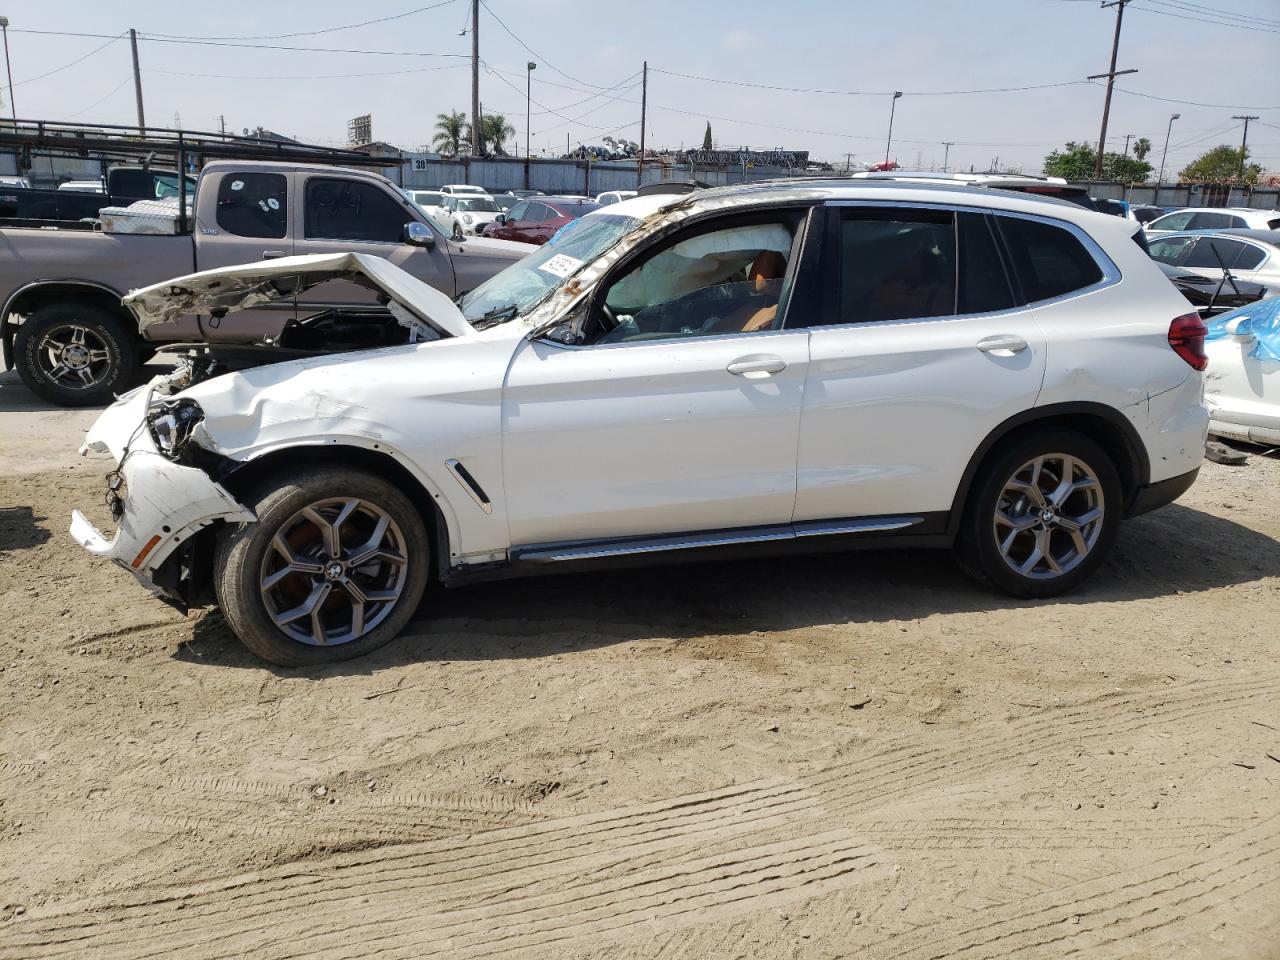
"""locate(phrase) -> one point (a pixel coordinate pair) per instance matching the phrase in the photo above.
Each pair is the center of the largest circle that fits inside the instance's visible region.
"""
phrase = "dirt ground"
(847, 756)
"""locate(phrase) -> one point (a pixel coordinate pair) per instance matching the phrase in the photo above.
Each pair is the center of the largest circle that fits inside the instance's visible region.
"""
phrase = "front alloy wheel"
(334, 566)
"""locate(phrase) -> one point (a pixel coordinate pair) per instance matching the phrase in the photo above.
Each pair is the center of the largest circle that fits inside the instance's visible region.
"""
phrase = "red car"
(536, 219)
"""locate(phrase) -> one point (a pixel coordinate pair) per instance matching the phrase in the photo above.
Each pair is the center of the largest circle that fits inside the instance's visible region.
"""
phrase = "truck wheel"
(75, 354)
(333, 568)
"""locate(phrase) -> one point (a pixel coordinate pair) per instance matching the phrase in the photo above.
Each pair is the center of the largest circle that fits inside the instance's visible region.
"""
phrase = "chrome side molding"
(602, 549)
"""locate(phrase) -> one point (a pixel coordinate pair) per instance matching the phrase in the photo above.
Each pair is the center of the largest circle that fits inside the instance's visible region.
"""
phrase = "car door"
(1170, 222)
(507, 229)
(250, 222)
(920, 350)
(691, 427)
(1212, 253)
(346, 215)
(529, 230)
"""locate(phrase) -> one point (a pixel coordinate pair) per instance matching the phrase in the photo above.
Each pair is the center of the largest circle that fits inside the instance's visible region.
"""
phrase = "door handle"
(272, 254)
(757, 366)
(1002, 345)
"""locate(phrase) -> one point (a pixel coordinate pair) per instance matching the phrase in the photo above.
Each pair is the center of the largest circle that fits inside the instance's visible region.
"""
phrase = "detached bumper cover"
(165, 503)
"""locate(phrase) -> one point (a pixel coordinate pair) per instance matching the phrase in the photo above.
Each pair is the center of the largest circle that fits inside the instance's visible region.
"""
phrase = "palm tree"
(494, 131)
(1141, 147)
(451, 131)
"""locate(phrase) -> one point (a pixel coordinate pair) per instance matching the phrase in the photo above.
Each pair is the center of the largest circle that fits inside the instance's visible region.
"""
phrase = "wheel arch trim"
(1137, 470)
(7, 327)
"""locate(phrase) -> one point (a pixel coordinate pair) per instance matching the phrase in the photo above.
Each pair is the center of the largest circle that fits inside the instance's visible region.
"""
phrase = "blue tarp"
(1263, 322)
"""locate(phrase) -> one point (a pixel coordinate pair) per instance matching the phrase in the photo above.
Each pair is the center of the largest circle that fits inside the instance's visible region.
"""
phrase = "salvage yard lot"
(847, 755)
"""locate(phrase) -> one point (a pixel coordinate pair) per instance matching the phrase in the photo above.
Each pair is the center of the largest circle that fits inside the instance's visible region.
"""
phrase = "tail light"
(1186, 336)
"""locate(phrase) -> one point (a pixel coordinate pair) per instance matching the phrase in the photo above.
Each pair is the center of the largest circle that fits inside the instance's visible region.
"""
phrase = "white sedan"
(1242, 383)
(783, 367)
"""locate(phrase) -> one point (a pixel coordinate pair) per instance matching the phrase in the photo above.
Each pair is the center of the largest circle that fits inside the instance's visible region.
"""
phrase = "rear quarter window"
(1048, 260)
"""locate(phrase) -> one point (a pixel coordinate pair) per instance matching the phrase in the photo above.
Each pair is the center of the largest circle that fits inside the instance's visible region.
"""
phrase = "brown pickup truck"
(63, 326)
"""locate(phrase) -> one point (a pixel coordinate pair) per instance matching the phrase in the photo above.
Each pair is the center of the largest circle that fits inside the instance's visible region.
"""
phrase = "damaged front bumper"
(164, 503)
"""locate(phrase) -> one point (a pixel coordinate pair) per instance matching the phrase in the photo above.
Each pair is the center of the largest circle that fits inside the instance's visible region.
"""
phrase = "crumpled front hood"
(244, 286)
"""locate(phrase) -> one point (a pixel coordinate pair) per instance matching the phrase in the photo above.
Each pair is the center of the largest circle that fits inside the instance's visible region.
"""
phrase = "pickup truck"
(63, 326)
(123, 186)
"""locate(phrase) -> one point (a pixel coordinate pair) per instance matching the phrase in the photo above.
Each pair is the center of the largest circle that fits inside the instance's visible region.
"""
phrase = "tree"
(1075, 162)
(1141, 147)
(1220, 165)
(706, 138)
(451, 131)
(494, 131)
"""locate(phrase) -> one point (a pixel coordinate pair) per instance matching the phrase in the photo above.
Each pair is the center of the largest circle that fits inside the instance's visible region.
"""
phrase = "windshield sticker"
(561, 265)
(237, 184)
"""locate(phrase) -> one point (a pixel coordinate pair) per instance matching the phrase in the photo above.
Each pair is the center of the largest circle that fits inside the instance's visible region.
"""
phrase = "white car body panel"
(1242, 391)
(655, 437)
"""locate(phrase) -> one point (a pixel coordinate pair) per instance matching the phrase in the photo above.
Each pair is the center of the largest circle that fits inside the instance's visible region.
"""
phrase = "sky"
(709, 61)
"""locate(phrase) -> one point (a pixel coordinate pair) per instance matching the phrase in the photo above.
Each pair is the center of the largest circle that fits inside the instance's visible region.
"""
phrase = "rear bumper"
(1161, 493)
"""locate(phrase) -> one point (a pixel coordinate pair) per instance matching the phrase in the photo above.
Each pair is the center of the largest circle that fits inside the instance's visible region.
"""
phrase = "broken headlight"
(171, 422)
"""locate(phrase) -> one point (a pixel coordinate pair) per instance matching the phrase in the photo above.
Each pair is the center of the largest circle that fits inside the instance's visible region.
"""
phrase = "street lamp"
(893, 105)
(4, 26)
(1164, 156)
(528, 99)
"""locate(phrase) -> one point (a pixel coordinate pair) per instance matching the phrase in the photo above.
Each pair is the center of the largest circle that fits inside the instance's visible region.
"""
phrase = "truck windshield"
(528, 282)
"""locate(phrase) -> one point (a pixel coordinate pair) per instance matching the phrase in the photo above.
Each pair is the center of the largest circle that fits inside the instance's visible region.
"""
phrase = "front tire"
(1043, 513)
(75, 354)
(334, 567)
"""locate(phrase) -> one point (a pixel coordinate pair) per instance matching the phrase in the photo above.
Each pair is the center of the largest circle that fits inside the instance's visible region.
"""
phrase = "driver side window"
(518, 211)
(710, 283)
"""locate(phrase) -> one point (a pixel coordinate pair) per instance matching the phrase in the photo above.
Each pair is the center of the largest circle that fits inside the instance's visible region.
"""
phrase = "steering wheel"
(611, 318)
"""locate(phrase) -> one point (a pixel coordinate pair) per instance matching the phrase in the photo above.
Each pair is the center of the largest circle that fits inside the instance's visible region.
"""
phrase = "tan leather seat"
(768, 266)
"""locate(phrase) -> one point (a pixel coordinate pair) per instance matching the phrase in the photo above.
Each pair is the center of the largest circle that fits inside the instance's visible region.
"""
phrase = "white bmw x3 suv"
(775, 366)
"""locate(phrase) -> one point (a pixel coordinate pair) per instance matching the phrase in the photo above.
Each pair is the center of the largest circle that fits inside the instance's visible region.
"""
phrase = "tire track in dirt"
(945, 834)
(573, 864)
(1107, 911)
(886, 775)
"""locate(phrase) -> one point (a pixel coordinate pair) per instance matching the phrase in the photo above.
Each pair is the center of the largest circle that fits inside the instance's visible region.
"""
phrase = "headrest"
(768, 265)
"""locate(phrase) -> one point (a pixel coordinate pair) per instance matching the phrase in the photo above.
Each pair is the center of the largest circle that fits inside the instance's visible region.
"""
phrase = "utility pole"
(477, 132)
(137, 82)
(1111, 75)
(1127, 138)
(1244, 141)
(530, 66)
(222, 125)
(946, 154)
(13, 109)
(644, 109)
(1165, 155)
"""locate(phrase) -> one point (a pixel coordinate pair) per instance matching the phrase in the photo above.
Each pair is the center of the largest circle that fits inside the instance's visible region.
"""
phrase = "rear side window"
(1215, 221)
(351, 210)
(1172, 221)
(1170, 250)
(253, 205)
(1048, 260)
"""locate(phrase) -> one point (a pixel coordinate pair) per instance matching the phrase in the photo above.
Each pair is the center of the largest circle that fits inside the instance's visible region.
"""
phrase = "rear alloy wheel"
(334, 567)
(1043, 513)
(75, 354)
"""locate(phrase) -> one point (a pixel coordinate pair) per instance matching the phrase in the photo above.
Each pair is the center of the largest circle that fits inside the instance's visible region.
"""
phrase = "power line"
(1218, 11)
(537, 56)
(1189, 103)
(313, 76)
(865, 93)
(18, 83)
(248, 46)
(1216, 23)
(312, 33)
(101, 100)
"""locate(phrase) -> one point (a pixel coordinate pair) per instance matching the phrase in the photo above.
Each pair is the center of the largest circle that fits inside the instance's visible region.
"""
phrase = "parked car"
(1144, 213)
(614, 196)
(461, 189)
(787, 366)
(1212, 296)
(525, 194)
(468, 216)
(78, 201)
(1214, 218)
(1117, 208)
(63, 325)
(1242, 383)
(21, 183)
(429, 200)
(536, 221)
(1250, 255)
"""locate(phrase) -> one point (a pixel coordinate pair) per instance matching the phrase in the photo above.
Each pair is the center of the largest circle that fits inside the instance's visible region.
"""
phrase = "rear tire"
(1028, 532)
(290, 586)
(76, 354)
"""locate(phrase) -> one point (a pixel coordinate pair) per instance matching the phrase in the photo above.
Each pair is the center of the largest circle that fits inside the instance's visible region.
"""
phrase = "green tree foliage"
(1075, 162)
(706, 138)
(1221, 165)
(494, 132)
(451, 132)
(1141, 147)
